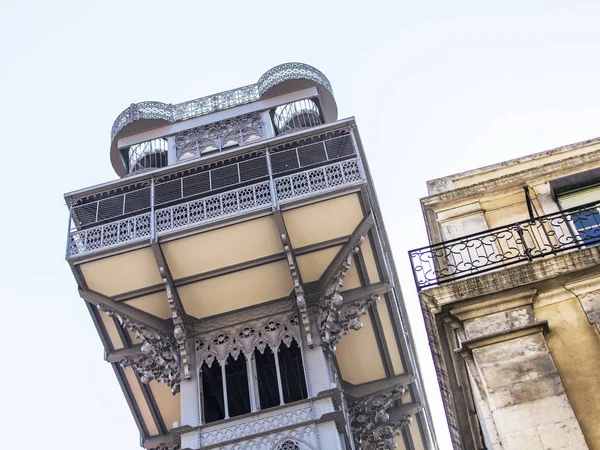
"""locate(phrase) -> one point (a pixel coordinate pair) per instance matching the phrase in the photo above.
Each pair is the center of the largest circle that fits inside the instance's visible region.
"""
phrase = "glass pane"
(292, 373)
(212, 393)
(238, 396)
(266, 373)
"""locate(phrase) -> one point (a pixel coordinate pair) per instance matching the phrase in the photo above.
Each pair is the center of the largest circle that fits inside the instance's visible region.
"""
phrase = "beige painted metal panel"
(111, 330)
(322, 221)
(168, 404)
(223, 247)
(388, 332)
(358, 355)
(155, 304)
(369, 258)
(416, 434)
(136, 390)
(237, 290)
(122, 273)
(312, 265)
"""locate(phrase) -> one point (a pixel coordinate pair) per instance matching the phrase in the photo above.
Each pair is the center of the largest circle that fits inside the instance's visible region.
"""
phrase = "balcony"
(250, 181)
(503, 246)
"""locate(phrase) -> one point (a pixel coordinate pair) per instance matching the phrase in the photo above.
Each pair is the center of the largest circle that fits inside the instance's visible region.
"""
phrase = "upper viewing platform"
(232, 154)
(287, 98)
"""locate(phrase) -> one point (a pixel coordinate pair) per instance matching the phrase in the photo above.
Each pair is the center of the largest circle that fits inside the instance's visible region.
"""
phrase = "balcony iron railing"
(503, 246)
(158, 207)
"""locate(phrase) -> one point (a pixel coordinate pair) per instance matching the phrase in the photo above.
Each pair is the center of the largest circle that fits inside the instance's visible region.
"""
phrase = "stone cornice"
(568, 165)
(432, 184)
(494, 304)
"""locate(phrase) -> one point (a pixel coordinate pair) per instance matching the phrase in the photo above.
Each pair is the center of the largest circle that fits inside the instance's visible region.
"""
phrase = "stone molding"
(554, 168)
(494, 304)
(469, 345)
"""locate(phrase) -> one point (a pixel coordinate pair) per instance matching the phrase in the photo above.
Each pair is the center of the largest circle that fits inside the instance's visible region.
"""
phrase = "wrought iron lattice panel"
(115, 233)
(503, 246)
(111, 207)
(210, 180)
(206, 209)
(312, 181)
(307, 155)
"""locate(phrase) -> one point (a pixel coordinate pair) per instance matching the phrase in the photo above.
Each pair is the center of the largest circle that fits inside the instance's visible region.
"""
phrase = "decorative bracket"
(298, 289)
(370, 422)
(180, 329)
(159, 359)
(335, 318)
(295, 274)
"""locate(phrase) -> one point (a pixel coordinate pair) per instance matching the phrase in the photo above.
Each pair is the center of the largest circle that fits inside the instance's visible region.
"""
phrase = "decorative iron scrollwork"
(219, 135)
(160, 358)
(369, 420)
(383, 437)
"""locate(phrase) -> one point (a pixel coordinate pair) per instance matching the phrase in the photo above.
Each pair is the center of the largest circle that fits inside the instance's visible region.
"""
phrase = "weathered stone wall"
(526, 369)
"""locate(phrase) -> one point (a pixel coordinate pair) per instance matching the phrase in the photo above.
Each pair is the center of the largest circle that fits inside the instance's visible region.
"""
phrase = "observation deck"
(250, 179)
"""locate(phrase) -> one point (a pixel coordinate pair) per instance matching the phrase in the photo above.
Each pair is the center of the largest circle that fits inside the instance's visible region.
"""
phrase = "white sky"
(436, 87)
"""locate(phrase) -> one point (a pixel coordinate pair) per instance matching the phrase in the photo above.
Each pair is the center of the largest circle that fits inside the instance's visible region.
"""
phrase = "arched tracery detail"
(218, 136)
(270, 331)
(288, 445)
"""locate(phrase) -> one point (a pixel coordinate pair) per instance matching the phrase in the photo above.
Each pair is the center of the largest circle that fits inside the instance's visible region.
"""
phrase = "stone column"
(513, 376)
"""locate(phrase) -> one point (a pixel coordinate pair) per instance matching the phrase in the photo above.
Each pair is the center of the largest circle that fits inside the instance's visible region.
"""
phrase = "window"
(251, 367)
(238, 395)
(581, 207)
(266, 374)
(292, 373)
(212, 392)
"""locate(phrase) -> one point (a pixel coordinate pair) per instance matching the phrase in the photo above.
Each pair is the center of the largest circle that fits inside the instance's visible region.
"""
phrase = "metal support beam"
(117, 355)
(141, 317)
(355, 240)
(177, 311)
(295, 274)
(378, 386)
(165, 274)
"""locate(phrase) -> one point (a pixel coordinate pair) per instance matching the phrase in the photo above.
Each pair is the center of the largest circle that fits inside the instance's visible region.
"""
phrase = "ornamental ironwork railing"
(209, 181)
(226, 204)
(503, 246)
(224, 100)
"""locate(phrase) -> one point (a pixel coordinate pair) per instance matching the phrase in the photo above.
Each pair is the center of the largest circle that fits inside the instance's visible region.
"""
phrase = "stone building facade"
(510, 292)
